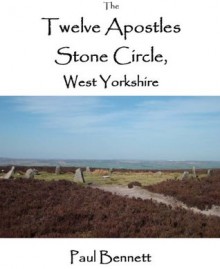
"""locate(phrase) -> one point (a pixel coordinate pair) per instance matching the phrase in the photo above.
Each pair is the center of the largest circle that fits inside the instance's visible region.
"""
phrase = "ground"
(54, 206)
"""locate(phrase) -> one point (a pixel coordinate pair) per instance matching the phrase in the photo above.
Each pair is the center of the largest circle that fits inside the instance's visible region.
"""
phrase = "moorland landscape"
(109, 203)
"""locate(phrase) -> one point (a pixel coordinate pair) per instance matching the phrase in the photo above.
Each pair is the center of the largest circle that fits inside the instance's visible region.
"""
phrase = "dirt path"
(144, 194)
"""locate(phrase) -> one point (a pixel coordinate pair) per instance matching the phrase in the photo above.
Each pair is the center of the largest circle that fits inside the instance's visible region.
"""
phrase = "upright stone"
(57, 170)
(88, 170)
(185, 175)
(209, 173)
(36, 172)
(194, 172)
(159, 173)
(110, 171)
(79, 176)
(10, 173)
(30, 173)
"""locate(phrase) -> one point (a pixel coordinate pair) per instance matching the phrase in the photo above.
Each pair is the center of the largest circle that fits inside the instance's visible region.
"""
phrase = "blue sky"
(149, 128)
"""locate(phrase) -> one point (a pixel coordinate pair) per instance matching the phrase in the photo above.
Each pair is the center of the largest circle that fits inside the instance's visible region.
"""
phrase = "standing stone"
(88, 170)
(185, 175)
(36, 172)
(110, 171)
(10, 173)
(79, 176)
(58, 170)
(159, 173)
(30, 173)
(194, 172)
(209, 173)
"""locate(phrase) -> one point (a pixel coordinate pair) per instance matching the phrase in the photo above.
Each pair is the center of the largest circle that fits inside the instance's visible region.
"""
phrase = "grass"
(116, 178)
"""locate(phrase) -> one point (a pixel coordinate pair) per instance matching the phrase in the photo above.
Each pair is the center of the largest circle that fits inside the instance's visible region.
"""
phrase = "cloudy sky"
(149, 128)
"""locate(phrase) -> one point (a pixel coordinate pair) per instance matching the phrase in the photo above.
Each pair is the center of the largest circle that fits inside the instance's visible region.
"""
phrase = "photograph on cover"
(109, 167)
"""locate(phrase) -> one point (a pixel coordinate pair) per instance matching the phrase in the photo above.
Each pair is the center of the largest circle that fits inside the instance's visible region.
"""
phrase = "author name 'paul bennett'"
(104, 257)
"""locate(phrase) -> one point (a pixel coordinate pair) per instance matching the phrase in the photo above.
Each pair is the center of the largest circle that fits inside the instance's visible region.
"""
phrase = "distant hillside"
(118, 164)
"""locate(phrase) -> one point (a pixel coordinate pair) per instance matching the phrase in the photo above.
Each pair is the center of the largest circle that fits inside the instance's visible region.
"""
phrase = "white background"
(55, 253)
(27, 53)
(27, 68)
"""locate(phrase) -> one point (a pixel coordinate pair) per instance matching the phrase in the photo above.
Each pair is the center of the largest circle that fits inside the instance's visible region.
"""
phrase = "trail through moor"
(138, 192)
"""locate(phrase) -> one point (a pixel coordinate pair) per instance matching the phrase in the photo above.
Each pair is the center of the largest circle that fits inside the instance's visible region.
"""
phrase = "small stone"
(185, 175)
(110, 171)
(106, 177)
(36, 172)
(30, 173)
(159, 173)
(133, 184)
(88, 170)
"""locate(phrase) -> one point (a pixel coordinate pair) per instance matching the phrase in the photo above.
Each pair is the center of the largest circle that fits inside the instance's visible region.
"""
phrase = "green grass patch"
(116, 178)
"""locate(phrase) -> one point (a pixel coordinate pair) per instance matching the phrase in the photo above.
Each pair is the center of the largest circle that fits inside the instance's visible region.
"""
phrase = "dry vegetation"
(36, 208)
(54, 206)
(198, 193)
